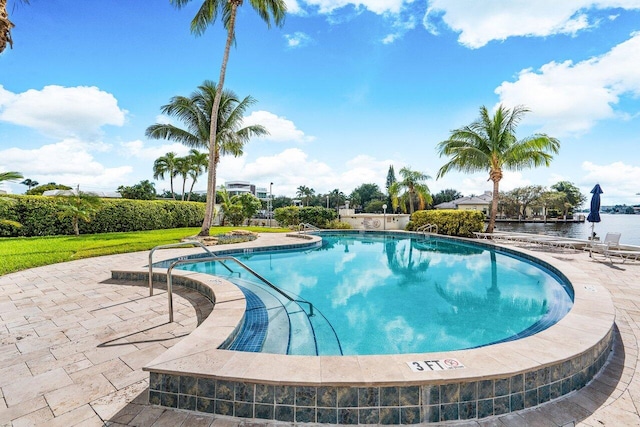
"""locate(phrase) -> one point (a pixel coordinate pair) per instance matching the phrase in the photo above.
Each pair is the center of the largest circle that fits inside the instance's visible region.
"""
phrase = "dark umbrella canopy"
(594, 211)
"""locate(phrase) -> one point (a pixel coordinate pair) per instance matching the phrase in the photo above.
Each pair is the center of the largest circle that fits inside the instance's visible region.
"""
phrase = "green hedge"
(450, 222)
(39, 216)
(291, 216)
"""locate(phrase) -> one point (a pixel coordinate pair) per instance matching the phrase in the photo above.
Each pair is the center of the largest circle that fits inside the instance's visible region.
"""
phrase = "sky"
(346, 88)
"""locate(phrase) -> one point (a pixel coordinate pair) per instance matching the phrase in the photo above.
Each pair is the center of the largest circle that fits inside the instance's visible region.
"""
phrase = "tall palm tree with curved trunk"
(413, 184)
(195, 113)
(490, 144)
(166, 165)
(268, 10)
(198, 164)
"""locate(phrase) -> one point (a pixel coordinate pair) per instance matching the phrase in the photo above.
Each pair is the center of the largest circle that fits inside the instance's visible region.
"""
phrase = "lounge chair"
(626, 255)
(611, 241)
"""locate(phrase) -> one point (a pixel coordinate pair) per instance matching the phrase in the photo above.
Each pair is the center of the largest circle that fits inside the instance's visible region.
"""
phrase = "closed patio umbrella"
(594, 210)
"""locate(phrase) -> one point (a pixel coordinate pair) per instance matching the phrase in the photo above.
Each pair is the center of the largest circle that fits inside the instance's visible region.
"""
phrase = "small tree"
(144, 190)
(250, 205)
(80, 207)
(29, 183)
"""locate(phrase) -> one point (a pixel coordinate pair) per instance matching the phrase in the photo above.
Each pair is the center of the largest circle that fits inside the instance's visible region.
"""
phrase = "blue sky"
(345, 87)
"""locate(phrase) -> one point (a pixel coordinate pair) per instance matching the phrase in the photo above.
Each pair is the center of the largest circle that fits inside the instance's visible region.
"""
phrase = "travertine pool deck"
(73, 344)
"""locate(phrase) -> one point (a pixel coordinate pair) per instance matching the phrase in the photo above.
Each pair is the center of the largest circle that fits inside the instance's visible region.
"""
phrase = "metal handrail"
(174, 245)
(427, 228)
(221, 259)
(304, 225)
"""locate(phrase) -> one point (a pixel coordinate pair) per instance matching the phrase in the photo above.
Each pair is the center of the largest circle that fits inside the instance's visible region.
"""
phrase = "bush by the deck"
(450, 222)
(39, 216)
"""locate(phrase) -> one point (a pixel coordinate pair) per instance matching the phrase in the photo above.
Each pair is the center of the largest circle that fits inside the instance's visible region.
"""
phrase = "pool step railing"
(175, 245)
(304, 226)
(428, 228)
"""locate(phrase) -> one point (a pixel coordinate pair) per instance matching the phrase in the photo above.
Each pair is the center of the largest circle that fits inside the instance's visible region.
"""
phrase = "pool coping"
(585, 335)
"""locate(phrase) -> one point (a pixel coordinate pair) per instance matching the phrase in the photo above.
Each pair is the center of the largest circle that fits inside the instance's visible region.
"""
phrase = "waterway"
(627, 225)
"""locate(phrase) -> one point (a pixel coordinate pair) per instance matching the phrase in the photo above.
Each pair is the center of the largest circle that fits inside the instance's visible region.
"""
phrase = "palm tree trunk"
(213, 134)
(494, 207)
(173, 194)
(191, 190)
(184, 184)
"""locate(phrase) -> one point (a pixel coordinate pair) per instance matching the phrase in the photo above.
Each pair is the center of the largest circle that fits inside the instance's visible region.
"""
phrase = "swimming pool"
(198, 374)
(393, 294)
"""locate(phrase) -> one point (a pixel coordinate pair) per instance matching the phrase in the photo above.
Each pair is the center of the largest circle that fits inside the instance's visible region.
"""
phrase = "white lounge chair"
(611, 241)
(626, 255)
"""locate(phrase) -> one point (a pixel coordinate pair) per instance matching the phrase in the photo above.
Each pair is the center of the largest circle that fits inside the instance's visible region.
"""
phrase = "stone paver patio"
(73, 342)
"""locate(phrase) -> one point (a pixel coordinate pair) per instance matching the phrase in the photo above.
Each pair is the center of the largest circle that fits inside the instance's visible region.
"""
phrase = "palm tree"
(10, 176)
(306, 193)
(29, 183)
(182, 169)
(82, 206)
(194, 112)
(165, 165)
(206, 15)
(198, 164)
(412, 183)
(6, 25)
(490, 144)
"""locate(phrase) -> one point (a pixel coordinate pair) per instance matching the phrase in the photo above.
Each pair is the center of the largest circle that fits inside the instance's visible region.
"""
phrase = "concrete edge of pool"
(496, 379)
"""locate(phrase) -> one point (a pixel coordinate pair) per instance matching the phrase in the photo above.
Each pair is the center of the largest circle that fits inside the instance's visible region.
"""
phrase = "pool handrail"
(174, 245)
(303, 226)
(428, 228)
(220, 259)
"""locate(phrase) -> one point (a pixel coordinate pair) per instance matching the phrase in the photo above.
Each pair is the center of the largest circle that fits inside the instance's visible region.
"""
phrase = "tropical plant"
(6, 25)
(79, 207)
(40, 189)
(490, 144)
(165, 165)
(230, 135)
(415, 189)
(144, 190)
(198, 164)
(445, 196)
(250, 205)
(206, 15)
(305, 193)
(8, 177)
(29, 183)
(182, 169)
(574, 197)
(364, 194)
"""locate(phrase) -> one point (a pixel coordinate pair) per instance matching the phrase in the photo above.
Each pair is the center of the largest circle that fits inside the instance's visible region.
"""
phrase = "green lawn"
(26, 252)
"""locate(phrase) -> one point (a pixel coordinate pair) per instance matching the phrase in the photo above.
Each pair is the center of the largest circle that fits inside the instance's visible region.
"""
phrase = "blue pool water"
(395, 293)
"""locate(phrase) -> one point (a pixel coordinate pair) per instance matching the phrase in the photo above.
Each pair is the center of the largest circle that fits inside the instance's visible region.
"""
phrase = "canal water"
(627, 225)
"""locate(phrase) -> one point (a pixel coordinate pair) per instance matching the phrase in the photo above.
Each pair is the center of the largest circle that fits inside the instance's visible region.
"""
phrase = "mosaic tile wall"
(379, 405)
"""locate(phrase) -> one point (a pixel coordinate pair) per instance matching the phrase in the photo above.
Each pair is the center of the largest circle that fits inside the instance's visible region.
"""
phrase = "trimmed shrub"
(288, 216)
(318, 216)
(39, 216)
(450, 222)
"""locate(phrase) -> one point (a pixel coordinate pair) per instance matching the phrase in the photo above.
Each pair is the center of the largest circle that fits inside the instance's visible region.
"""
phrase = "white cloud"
(292, 168)
(62, 112)
(376, 6)
(570, 98)
(401, 27)
(481, 22)
(67, 162)
(293, 7)
(140, 150)
(618, 180)
(298, 39)
(280, 129)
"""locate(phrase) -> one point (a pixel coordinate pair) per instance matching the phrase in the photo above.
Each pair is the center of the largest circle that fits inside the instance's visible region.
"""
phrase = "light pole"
(270, 203)
(384, 216)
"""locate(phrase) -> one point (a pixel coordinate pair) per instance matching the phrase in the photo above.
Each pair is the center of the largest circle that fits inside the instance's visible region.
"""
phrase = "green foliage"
(144, 190)
(450, 222)
(375, 206)
(80, 207)
(318, 216)
(39, 216)
(250, 205)
(287, 216)
(337, 225)
(447, 195)
(37, 191)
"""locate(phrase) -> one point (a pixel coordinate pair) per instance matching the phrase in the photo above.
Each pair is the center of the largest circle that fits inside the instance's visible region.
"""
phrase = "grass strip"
(28, 252)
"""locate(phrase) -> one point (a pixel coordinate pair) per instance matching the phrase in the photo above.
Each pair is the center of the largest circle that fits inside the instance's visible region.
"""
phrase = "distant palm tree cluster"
(191, 166)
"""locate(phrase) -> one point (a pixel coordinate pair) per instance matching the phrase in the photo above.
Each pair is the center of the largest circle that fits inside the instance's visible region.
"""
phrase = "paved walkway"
(73, 342)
